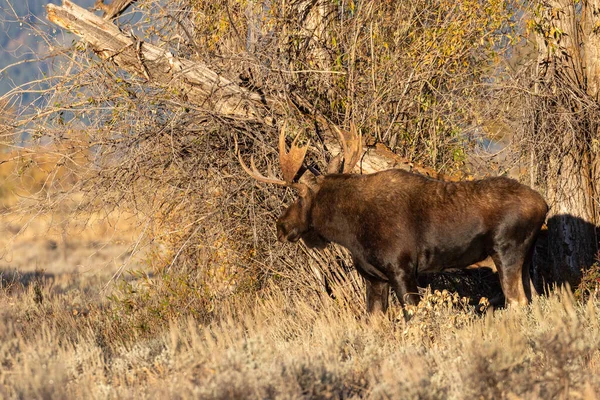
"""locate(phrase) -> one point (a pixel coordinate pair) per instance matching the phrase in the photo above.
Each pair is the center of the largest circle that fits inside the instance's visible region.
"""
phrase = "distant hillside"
(18, 42)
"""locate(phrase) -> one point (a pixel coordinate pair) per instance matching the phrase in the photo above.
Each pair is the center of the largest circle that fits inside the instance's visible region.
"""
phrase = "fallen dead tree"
(199, 84)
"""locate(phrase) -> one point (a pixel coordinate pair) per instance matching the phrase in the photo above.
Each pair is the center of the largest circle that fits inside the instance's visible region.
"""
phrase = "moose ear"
(310, 180)
(335, 165)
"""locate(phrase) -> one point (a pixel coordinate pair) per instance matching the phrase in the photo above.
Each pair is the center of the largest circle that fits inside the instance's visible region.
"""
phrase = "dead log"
(188, 79)
(193, 80)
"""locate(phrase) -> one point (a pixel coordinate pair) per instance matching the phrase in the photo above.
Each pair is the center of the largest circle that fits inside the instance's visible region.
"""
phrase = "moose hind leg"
(530, 290)
(510, 270)
(377, 295)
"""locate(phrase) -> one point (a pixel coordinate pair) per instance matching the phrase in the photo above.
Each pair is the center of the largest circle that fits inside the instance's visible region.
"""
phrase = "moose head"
(295, 222)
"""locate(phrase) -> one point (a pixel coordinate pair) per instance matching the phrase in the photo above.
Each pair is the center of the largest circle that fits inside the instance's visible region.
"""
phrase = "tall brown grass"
(280, 344)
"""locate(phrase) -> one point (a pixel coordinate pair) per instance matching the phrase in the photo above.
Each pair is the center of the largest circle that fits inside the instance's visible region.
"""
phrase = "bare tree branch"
(193, 80)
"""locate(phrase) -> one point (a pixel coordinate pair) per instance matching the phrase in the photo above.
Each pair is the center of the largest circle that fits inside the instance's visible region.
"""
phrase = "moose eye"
(284, 227)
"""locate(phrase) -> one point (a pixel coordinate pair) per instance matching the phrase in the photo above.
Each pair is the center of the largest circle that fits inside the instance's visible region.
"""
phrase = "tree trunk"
(314, 29)
(193, 80)
(592, 69)
(566, 76)
(571, 226)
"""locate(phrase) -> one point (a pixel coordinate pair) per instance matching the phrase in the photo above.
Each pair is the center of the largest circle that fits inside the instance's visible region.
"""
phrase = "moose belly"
(438, 258)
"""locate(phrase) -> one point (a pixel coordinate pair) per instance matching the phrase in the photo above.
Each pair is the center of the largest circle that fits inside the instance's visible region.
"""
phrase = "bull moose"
(396, 223)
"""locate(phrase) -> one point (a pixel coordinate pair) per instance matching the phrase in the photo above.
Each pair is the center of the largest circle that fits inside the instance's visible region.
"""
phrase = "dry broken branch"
(185, 78)
(192, 79)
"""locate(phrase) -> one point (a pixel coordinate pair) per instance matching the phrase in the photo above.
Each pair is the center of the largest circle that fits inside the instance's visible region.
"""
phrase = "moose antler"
(351, 143)
(257, 175)
(290, 163)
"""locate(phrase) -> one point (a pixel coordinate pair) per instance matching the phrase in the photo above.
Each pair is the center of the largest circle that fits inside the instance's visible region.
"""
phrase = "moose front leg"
(377, 287)
(377, 295)
(404, 283)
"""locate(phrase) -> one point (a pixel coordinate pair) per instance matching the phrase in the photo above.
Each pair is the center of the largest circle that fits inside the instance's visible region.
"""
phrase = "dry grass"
(64, 335)
(227, 312)
(56, 244)
(69, 344)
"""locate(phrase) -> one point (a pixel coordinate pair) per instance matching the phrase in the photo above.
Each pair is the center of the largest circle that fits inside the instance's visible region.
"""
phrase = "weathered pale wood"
(193, 80)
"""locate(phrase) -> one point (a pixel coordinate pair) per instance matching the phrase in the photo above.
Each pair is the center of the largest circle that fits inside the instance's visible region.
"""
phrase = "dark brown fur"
(396, 224)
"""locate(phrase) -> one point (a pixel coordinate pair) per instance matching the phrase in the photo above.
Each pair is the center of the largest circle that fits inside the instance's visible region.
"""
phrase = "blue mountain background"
(18, 41)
